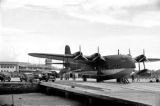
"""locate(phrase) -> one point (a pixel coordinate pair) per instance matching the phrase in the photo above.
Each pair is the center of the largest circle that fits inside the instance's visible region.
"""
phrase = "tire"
(157, 80)
(99, 79)
(118, 80)
(84, 78)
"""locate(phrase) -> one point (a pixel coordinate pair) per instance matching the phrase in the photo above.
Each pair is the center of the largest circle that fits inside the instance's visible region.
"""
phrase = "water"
(37, 99)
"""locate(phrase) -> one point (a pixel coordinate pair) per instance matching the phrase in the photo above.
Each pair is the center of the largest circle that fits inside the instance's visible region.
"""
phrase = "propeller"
(96, 57)
(79, 55)
(141, 58)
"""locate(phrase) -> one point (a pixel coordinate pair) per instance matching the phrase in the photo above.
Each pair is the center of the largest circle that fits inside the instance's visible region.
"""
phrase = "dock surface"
(138, 92)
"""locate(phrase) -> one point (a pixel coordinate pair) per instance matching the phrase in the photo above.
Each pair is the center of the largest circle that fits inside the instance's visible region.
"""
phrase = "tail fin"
(67, 49)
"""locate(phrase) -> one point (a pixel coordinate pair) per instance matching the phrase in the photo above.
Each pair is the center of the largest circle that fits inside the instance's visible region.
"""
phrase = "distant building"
(48, 62)
(23, 67)
(9, 66)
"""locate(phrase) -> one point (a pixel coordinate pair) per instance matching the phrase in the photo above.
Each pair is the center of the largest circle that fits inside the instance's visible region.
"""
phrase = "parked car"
(47, 77)
(5, 77)
(27, 77)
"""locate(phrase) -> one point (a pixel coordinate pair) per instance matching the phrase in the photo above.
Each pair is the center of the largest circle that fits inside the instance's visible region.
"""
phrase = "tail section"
(67, 49)
(66, 62)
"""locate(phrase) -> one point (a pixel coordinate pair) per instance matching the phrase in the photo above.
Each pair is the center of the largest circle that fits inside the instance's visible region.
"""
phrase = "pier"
(140, 93)
(92, 93)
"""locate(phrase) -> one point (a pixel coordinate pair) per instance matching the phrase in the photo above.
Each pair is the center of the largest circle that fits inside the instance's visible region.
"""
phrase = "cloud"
(123, 12)
(7, 51)
(48, 3)
(9, 31)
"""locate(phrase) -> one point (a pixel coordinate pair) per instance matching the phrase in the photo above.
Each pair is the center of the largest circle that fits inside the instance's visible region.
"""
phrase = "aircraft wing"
(153, 59)
(143, 58)
(51, 56)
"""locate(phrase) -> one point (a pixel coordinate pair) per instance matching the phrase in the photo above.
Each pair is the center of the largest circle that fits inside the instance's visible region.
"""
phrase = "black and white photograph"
(79, 52)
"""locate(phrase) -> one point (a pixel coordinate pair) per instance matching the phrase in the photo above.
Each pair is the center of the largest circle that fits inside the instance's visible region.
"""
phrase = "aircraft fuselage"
(115, 66)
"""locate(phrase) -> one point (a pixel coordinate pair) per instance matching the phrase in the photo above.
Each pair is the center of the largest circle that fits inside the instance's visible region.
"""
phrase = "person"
(74, 76)
(138, 78)
(132, 78)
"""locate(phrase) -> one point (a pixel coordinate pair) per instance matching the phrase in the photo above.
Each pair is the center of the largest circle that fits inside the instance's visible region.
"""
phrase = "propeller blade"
(129, 52)
(118, 51)
(143, 52)
(98, 50)
(80, 48)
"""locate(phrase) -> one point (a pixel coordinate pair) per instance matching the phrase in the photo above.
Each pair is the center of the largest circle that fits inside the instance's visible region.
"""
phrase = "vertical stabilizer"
(67, 49)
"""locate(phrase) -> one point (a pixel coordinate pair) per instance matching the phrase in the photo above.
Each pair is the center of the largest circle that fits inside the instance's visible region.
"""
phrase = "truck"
(48, 76)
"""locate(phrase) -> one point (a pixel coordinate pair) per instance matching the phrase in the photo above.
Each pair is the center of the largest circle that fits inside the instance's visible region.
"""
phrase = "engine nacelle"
(96, 57)
(79, 56)
(141, 58)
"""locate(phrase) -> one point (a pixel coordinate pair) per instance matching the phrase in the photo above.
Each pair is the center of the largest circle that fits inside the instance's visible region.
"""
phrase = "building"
(8, 66)
(24, 67)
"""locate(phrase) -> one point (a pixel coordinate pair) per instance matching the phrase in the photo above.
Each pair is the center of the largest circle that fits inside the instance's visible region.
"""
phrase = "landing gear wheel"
(118, 80)
(84, 78)
(123, 80)
(150, 81)
(157, 80)
(99, 79)
(126, 81)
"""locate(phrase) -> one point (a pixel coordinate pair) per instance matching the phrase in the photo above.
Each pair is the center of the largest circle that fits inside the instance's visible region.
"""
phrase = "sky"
(46, 26)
